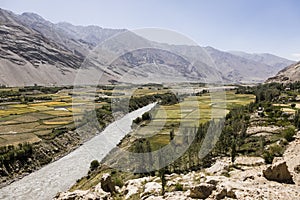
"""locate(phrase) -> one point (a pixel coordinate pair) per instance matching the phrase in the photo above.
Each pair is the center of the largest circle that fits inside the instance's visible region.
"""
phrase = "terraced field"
(21, 123)
(29, 121)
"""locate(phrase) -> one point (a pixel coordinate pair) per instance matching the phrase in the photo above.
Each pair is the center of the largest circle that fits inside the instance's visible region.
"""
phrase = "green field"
(189, 113)
(27, 121)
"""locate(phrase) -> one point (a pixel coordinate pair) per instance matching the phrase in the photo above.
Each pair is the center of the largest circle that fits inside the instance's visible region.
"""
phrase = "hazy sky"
(254, 26)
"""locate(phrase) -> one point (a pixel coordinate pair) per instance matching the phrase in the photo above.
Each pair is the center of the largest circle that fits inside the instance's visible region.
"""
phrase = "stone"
(152, 188)
(106, 183)
(297, 169)
(202, 191)
(221, 194)
(231, 194)
(278, 172)
(212, 182)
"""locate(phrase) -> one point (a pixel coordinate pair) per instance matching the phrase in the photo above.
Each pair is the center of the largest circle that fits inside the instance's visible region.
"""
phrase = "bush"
(146, 116)
(289, 133)
(119, 182)
(268, 157)
(178, 187)
(94, 165)
(293, 105)
(274, 151)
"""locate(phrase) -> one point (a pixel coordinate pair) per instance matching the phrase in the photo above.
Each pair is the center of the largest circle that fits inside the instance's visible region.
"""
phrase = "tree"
(233, 151)
(297, 120)
(162, 172)
(171, 134)
(146, 116)
(94, 165)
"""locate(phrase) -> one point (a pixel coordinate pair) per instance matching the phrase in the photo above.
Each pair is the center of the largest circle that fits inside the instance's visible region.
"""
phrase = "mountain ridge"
(69, 46)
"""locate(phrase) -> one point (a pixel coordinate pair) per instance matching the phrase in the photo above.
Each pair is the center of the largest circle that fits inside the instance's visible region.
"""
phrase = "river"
(63, 173)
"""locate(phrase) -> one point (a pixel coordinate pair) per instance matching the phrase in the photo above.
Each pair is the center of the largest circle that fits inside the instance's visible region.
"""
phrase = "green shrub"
(273, 151)
(268, 157)
(293, 105)
(119, 182)
(94, 165)
(289, 133)
(178, 187)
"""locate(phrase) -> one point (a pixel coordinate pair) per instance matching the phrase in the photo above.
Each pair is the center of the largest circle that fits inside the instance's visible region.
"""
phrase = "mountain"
(276, 62)
(287, 75)
(34, 50)
(28, 57)
(79, 39)
(240, 69)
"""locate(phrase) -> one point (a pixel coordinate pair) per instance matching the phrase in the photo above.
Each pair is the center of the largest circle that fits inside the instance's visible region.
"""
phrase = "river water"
(63, 173)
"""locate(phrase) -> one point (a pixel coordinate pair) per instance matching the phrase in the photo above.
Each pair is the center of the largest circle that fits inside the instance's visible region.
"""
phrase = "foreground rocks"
(202, 191)
(278, 172)
(106, 183)
(245, 181)
(197, 185)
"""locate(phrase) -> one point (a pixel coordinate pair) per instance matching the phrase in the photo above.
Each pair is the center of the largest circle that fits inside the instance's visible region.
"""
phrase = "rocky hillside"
(34, 50)
(28, 57)
(248, 178)
(287, 75)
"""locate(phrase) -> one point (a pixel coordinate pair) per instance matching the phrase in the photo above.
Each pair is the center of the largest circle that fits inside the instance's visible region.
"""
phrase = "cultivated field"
(189, 113)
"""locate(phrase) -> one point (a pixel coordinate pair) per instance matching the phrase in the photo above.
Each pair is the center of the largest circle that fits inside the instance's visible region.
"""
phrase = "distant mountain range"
(34, 50)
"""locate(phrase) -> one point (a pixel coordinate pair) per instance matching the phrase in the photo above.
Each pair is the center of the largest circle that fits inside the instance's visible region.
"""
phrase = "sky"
(253, 26)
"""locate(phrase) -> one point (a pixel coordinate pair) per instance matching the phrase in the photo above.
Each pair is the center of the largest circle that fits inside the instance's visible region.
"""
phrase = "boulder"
(230, 193)
(75, 195)
(152, 188)
(223, 192)
(202, 191)
(132, 187)
(101, 193)
(278, 172)
(106, 183)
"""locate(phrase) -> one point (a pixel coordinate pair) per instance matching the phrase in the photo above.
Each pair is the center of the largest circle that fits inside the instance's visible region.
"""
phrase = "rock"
(106, 183)
(251, 177)
(78, 194)
(202, 191)
(278, 172)
(218, 167)
(221, 194)
(212, 182)
(152, 188)
(100, 192)
(297, 169)
(231, 194)
(132, 187)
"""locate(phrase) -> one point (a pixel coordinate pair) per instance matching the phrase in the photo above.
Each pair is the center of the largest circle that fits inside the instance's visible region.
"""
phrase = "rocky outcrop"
(278, 172)
(202, 191)
(106, 183)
